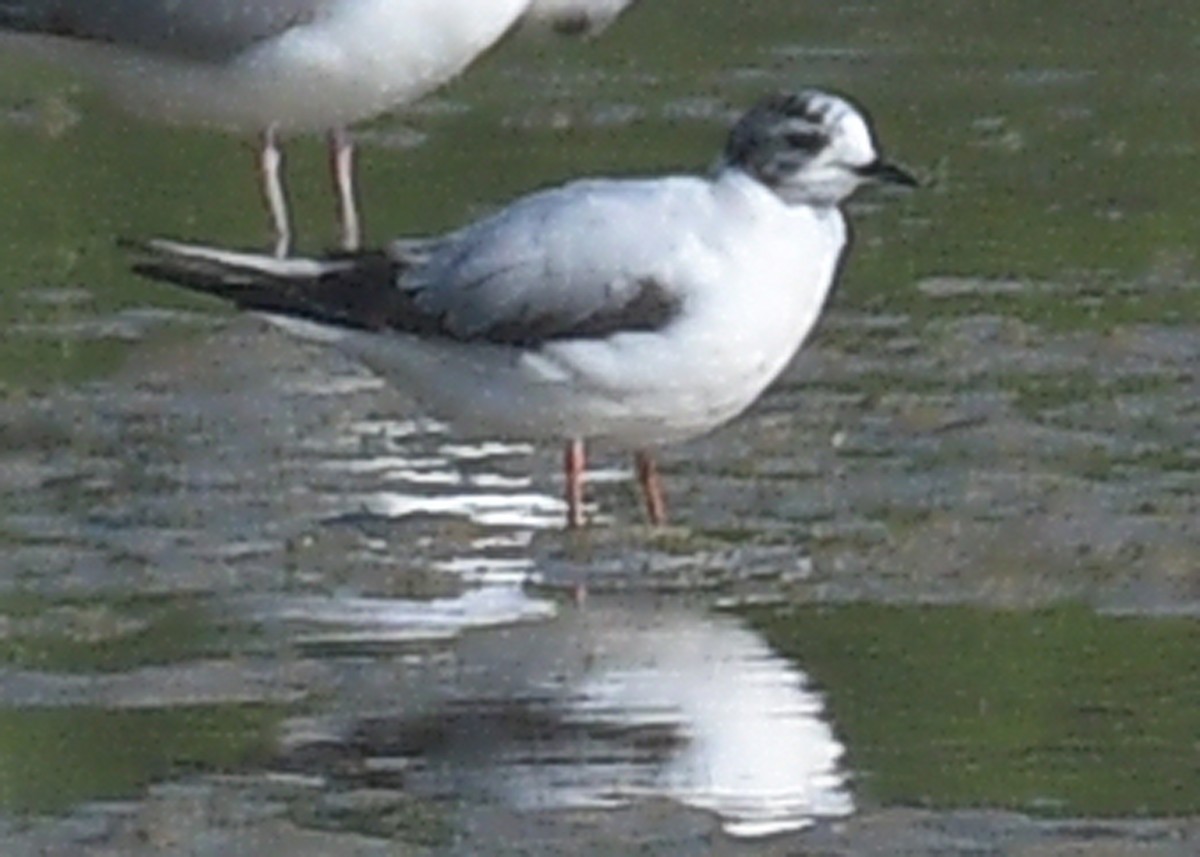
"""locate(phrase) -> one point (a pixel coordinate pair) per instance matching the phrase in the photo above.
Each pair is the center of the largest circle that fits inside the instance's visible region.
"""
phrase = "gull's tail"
(357, 291)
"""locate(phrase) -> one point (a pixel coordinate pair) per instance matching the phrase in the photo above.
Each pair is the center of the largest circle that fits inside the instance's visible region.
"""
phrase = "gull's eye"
(806, 141)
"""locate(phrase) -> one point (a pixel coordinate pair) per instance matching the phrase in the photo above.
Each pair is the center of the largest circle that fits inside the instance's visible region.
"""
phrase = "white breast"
(763, 273)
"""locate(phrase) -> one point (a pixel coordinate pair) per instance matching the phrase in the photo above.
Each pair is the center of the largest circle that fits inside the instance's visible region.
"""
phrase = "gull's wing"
(585, 261)
(204, 30)
(588, 259)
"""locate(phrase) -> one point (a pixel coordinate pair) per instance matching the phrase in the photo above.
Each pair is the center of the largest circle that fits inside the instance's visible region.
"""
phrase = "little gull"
(637, 312)
(275, 67)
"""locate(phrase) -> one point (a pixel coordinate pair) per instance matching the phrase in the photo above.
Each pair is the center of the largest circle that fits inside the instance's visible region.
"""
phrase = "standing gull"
(637, 312)
(276, 67)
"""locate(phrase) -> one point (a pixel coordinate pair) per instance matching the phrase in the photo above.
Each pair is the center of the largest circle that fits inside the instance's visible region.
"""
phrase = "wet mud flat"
(971, 457)
(255, 541)
(246, 818)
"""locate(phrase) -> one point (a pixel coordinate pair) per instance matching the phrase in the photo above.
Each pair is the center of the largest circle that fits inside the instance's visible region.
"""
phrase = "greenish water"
(1056, 711)
(57, 758)
(106, 635)
(68, 743)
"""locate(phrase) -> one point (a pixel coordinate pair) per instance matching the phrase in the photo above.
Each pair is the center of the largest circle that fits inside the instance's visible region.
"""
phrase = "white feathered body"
(751, 272)
(358, 58)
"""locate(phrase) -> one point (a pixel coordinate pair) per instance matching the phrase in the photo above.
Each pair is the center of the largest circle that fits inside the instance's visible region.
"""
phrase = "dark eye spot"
(806, 141)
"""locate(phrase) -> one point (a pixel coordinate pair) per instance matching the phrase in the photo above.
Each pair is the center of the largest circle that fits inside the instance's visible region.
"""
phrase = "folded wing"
(586, 261)
(201, 30)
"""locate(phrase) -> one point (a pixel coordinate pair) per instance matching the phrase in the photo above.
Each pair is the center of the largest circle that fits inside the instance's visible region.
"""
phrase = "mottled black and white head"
(809, 147)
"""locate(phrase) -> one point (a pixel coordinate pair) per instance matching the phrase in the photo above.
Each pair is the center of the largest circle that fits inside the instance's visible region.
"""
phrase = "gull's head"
(809, 147)
(575, 17)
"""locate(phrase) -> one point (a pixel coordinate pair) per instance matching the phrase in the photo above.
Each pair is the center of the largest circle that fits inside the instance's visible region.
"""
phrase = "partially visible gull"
(637, 312)
(277, 67)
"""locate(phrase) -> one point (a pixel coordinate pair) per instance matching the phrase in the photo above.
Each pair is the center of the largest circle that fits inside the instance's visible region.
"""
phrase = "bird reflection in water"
(600, 707)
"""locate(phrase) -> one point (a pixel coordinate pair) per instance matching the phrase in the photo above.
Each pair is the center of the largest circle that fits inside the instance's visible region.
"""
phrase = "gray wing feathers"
(569, 262)
(203, 30)
(582, 262)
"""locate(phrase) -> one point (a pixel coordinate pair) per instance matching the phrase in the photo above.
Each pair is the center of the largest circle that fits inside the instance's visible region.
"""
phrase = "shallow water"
(937, 591)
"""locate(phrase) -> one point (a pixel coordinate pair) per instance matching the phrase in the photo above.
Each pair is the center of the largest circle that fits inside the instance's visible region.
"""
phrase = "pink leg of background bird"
(271, 167)
(341, 163)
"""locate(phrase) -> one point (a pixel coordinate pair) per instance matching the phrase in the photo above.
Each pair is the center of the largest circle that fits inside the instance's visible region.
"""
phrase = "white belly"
(633, 390)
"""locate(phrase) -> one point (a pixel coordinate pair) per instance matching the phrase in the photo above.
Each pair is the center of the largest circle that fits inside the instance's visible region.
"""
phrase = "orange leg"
(573, 466)
(647, 473)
